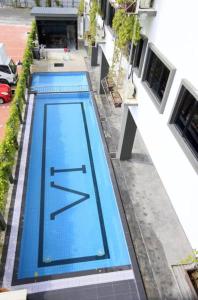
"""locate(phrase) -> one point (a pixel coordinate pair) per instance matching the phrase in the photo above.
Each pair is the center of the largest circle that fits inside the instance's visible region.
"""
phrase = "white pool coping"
(9, 266)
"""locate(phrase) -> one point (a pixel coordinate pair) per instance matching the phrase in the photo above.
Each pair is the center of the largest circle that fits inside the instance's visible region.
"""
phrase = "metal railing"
(59, 89)
(32, 3)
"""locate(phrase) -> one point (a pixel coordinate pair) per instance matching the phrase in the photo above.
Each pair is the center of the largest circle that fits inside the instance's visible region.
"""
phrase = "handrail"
(59, 89)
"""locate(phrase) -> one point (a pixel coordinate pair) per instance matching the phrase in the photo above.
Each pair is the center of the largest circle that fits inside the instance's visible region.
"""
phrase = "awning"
(54, 12)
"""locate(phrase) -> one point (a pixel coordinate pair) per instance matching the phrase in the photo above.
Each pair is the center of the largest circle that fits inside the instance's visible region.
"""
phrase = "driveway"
(14, 37)
(10, 15)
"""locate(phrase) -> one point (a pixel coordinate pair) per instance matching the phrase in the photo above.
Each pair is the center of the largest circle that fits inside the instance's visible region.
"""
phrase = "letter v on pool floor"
(70, 223)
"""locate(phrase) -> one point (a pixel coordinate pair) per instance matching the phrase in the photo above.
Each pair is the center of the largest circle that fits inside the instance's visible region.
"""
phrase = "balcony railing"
(59, 89)
(137, 7)
(31, 3)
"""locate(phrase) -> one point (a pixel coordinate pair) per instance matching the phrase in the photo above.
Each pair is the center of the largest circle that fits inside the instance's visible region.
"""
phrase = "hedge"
(9, 145)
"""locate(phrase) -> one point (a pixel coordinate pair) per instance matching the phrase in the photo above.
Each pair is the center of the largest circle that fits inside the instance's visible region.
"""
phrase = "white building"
(164, 107)
(166, 112)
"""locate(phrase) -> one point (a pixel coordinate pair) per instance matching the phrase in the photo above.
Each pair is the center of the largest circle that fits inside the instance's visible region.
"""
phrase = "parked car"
(8, 69)
(5, 93)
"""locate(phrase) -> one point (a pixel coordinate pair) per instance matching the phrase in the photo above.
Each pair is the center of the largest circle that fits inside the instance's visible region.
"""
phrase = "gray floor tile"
(124, 297)
(121, 288)
(105, 290)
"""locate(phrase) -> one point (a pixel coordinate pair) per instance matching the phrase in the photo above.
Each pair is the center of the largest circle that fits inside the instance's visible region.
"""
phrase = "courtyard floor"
(156, 233)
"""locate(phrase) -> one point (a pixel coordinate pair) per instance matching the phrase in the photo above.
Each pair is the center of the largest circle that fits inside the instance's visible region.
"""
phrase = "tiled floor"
(122, 290)
(152, 228)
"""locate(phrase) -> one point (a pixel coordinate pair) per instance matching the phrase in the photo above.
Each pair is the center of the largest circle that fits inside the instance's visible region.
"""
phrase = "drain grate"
(112, 154)
(58, 65)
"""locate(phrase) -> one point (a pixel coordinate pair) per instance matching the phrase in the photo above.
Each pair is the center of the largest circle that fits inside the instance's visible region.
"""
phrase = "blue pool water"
(71, 218)
(73, 81)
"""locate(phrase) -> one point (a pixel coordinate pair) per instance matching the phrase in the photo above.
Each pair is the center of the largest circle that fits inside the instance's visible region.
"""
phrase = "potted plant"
(93, 48)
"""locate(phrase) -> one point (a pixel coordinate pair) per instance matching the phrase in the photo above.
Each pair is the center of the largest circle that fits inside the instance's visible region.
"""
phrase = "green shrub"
(9, 146)
(127, 28)
(37, 2)
(48, 3)
(58, 3)
(81, 7)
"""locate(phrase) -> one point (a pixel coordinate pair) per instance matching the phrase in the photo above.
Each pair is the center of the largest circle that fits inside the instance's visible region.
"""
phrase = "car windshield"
(12, 66)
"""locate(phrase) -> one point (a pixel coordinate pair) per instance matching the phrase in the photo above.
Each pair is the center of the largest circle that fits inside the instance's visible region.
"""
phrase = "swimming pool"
(71, 219)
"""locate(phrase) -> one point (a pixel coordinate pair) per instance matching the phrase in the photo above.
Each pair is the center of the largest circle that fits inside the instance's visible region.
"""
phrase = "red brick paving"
(14, 38)
(4, 114)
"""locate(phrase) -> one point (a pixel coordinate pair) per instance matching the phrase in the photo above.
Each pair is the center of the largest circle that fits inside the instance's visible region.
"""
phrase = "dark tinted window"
(186, 119)
(133, 52)
(138, 53)
(111, 13)
(156, 75)
(5, 69)
(103, 4)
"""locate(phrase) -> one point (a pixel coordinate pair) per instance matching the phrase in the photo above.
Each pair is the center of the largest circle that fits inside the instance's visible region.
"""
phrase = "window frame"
(182, 140)
(109, 7)
(103, 8)
(160, 105)
(138, 70)
(5, 67)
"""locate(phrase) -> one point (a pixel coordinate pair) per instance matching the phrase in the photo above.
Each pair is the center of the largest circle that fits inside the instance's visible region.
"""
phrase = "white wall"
(174, 32)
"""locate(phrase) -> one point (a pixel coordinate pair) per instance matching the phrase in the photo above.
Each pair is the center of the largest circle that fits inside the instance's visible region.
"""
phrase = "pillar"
(127, 135)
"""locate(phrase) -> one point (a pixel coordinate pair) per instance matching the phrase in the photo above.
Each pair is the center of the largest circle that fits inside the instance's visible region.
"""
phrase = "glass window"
(157, 77)
(111, 13)
(186, 119)
(103, 4)
(138, 53)
(5, 69)
(12, 66)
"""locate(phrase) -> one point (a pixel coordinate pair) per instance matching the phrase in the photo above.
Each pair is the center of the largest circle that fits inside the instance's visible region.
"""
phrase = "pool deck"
(152, 228)
(73, 62)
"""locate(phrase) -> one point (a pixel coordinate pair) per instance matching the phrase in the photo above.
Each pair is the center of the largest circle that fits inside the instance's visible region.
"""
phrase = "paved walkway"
(157, 234)
(74, 62)
(4, 114)
(14, 38)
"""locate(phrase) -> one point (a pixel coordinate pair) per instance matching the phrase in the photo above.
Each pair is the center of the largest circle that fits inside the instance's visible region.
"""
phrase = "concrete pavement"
(13, 33)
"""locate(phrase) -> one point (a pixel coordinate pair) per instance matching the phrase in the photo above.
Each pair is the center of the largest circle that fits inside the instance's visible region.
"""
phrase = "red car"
(5, 93)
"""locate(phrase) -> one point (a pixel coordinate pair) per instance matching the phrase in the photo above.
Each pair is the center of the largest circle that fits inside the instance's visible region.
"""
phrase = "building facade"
(164, 106)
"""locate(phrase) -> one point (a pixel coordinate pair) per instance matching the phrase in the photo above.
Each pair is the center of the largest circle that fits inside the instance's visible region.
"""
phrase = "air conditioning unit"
(145, 3)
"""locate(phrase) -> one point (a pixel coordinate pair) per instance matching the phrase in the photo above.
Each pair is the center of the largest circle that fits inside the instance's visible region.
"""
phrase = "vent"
(58, 65)
(113, 155)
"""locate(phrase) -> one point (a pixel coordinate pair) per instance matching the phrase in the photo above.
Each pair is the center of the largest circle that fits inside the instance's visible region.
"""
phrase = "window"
(138, 53)
(184, 120)
(110, 16)
(12, 66)
(158, 76)
(103, 4)
(5, 69)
